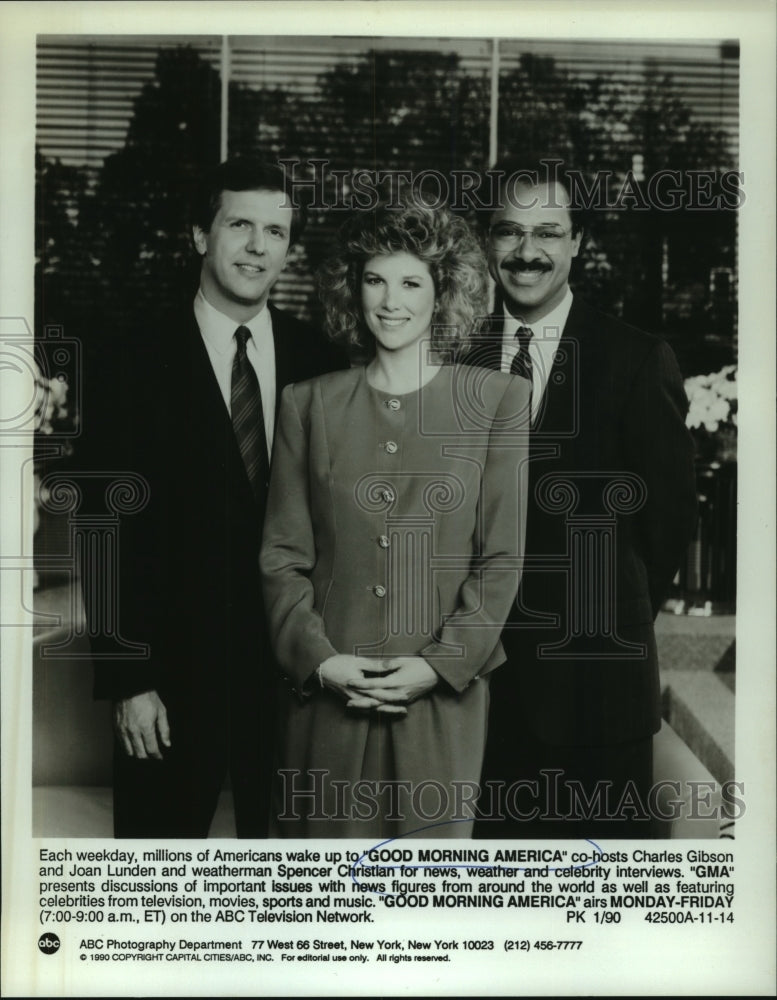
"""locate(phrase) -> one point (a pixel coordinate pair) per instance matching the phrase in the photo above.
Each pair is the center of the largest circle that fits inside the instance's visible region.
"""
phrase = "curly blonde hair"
(443, 241)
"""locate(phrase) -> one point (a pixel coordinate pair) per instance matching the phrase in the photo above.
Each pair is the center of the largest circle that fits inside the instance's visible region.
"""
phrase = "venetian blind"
(376, 103)
(704, 74)
(87, 87)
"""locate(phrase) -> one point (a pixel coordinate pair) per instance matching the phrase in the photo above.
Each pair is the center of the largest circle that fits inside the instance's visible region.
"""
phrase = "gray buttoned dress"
(395, 526)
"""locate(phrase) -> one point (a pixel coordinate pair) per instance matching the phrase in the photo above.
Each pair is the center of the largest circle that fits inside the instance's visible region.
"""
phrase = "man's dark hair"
(532, 170)
(245, 174)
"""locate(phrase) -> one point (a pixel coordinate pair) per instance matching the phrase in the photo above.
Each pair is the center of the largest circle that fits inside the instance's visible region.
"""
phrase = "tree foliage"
(115, 238)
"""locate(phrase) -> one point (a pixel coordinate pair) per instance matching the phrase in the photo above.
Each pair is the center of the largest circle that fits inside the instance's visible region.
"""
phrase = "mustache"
(526, 265)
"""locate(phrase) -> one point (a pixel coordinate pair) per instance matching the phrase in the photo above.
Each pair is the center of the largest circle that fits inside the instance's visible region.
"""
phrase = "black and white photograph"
(388, 459)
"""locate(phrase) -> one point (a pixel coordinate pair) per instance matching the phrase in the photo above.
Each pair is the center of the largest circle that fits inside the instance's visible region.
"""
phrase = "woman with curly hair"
(393, 539)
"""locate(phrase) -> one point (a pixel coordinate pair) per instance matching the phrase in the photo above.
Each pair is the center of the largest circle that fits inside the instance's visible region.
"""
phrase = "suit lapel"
(210, 430)
(485, 349)
(284, 359)
(559, 412)
(204, 385)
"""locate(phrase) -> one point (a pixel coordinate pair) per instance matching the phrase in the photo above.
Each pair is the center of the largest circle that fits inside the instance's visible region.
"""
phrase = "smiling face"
(244, 251)
(398, 297)
(533, 276)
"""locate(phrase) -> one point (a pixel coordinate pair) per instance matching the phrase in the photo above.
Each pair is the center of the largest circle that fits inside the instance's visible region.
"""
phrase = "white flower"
(50, 400)
(711, 399)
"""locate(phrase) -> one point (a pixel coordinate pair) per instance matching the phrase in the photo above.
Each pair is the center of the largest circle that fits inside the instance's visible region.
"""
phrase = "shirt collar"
(550, 327)
(218, 329)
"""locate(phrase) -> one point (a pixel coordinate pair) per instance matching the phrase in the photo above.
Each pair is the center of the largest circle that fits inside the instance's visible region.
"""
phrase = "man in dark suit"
(612, 506)
(205, 383)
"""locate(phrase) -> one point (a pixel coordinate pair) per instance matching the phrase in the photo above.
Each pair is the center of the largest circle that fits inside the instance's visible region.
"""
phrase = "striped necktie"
(522, 362)
(248, 416)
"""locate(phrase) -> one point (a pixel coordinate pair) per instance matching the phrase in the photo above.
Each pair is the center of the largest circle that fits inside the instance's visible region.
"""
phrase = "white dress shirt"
(542, 346)
(218, 333)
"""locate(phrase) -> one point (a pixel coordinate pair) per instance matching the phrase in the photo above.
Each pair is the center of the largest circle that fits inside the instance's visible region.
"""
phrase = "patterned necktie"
(248, 416)
(522, 362)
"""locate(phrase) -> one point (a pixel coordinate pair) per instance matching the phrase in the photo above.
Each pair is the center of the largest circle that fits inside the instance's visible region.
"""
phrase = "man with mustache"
(612, 506)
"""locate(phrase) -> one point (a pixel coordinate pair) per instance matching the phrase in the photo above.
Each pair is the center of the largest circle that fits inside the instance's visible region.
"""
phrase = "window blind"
(375, 103)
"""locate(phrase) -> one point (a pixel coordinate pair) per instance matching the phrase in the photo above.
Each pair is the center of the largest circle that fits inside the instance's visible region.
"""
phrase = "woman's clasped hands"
(387, 686)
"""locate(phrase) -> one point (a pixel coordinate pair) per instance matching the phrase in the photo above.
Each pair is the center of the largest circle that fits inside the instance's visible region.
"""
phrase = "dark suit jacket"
(189, 575)
(612, 506)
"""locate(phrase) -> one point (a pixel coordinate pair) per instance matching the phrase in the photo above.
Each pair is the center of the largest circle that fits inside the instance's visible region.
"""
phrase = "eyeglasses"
(506, 237)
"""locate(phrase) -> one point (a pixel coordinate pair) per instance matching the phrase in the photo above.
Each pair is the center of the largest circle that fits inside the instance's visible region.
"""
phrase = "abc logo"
(48, 944)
